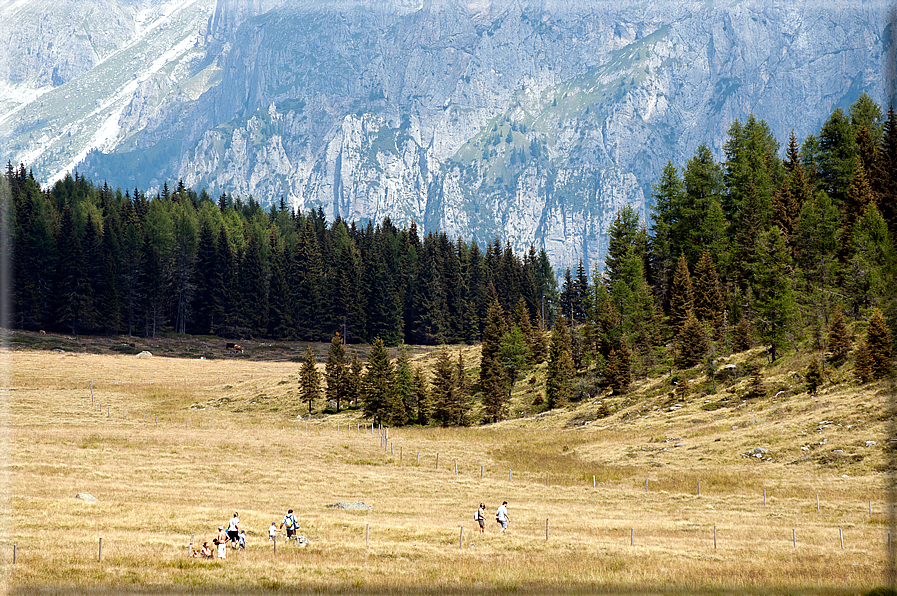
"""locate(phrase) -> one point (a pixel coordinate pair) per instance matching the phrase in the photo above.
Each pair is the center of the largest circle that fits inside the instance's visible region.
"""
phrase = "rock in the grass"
(86, 497)
(758, 452)
(353, 505)
(870, 443)
(144, 354)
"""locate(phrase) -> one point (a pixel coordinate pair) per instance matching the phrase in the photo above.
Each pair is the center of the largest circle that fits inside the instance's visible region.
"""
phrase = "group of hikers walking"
(236, 536)
(501, 517)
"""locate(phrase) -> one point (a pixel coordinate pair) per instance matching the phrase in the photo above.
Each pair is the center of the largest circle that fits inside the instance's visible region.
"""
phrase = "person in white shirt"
(501, 516)
(233, 530)
(272, 532)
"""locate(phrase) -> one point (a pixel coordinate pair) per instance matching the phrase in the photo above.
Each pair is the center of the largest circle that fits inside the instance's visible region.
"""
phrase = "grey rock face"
(533, 121)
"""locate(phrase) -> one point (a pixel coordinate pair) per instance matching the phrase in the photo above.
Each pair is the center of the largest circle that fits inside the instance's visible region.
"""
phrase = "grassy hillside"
(173, 446)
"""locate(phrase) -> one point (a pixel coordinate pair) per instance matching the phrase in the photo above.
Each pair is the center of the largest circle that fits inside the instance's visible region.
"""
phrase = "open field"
(171, 447)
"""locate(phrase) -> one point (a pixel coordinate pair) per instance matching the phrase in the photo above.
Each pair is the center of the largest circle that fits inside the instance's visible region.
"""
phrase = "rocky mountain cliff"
(531, 120)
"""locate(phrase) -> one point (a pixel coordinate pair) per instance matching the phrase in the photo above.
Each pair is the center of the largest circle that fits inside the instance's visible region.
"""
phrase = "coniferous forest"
(753, 249)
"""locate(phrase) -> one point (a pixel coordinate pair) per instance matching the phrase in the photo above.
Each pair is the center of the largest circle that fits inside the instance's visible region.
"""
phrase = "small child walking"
(272, 531)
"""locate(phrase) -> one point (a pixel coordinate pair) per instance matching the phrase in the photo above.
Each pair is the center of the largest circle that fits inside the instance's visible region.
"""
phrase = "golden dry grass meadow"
(172, 447)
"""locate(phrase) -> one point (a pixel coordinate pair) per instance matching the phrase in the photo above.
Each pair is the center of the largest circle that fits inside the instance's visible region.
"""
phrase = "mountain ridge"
(372, 109)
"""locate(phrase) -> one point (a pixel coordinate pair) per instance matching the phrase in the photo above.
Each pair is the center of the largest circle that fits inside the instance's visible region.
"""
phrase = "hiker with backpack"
(289, 520)
(480, 517)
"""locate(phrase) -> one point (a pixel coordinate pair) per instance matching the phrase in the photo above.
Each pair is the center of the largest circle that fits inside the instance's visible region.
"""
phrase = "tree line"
(89, 260)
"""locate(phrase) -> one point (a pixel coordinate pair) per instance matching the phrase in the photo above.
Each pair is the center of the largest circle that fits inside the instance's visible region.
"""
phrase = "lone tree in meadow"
(310, 380)
(839, 343)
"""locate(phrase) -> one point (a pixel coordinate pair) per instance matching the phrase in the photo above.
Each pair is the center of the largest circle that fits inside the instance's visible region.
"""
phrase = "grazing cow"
(42, 332)
(234, 347)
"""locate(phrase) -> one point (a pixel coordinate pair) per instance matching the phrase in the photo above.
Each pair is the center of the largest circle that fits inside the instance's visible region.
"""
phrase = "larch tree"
(559, 375)
(839, 343)
(309, 380)
(691, 343)
(878, 342)
(681, 295)
(775, 304)
(492, 377)
(336, 372)
(444, 391)
(377, 388)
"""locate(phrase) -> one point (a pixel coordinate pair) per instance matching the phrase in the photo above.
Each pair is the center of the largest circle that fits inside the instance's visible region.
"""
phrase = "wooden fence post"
(461, 539)
(841, 538)
(793, 538)
(275, 544)
(100, 555)
(437, 461)
(14, 554)
(714, 537)
(631, 536)
(546, 529)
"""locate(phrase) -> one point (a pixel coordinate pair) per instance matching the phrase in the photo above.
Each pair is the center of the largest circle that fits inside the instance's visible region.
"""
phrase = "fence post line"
(14, 554)
(793, 538)
(593, 481)
(841, 538)
(870, 508)
(91, 394)
(509, 475)
(631, 536)
(714, 537)
(275, 544)
(437, 461)
(456, 466)
(418, 458)
(546, 478)
(461, 539)
(699, 488)
(546, 529)
(100, 555)
(764, 497)
(401, 457)
(817, 502)
(646, 485)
